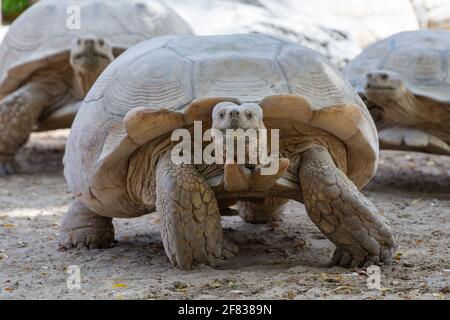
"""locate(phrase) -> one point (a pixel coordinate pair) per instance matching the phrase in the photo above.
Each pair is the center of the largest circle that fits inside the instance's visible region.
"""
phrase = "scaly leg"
(82, 228)
(190, 218)
(359, 230)
(19, 112)
(266, 211)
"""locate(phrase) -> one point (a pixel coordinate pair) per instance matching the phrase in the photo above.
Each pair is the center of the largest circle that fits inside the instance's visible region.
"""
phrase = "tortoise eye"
(249, 115)
(101, 42)
(222, 115)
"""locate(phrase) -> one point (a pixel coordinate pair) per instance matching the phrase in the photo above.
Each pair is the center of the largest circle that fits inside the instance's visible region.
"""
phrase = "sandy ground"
(285, 263)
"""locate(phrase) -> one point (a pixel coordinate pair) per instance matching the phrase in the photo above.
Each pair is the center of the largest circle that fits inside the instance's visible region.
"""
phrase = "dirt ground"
(287, 262)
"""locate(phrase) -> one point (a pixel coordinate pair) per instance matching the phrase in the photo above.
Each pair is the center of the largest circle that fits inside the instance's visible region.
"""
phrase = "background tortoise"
(405, 80)
(47, 68)
(118, 162)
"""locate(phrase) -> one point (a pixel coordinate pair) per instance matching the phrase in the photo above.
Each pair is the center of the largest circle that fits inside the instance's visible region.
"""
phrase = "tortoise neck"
(404, 110)
(412, 110)
(83, 82)
(416, 112)
(399, 108)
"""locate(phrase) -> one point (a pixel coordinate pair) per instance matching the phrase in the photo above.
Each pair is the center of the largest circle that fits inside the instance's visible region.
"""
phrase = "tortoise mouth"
(379, 87)
(91, 55)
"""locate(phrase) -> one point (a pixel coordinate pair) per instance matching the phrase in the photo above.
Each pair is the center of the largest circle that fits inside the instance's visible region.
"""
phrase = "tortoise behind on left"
(54, 52)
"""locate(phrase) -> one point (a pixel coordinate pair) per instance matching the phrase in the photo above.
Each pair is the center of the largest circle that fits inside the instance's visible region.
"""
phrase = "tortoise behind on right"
(405, 82)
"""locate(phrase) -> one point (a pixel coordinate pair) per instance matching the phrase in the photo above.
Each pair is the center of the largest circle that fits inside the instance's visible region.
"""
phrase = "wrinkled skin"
(406, 121)
(386, 93)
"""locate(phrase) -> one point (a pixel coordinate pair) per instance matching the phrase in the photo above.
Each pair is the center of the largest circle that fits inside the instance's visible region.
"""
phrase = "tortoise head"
(228, 115)
(385, 85)
(88, 58)
(383, 91)
(245, 119)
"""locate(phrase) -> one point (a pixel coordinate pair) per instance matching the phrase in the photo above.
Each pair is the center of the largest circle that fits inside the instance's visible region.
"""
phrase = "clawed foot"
(190, 257)
(83, 229)
(87, 238)
(7, 168)
(363, 236)
(346, 258)
(229, 250)
(360, 232)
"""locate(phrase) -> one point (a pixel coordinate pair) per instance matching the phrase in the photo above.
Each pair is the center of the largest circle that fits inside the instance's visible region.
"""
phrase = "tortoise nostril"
(384, 76)
(234, 114)
(89, 42)
(369, 76)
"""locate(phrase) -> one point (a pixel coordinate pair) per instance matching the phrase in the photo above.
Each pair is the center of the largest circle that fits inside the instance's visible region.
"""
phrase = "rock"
(336, 31)
(445, 290)
(207, 297)
(237, 291)
(178, 285)
(433, 14)
(298, 269)
(408, 264)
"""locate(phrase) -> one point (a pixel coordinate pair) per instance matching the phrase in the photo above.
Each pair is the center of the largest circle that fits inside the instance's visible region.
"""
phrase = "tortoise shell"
(421, 58)
(293, 84)
(41, 35)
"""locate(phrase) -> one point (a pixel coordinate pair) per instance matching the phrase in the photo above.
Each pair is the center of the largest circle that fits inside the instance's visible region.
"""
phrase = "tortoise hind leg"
(265, 211)
(82, 228)
(19, 112)
(190, 218)
(361, 233)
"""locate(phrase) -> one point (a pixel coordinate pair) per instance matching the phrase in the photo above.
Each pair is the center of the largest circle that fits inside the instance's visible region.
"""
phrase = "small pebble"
(445, 289)
(408, 264)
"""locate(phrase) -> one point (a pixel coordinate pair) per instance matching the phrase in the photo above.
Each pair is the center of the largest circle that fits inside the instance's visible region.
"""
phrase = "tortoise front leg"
(19, 112)
(359, 230)
(190, 219)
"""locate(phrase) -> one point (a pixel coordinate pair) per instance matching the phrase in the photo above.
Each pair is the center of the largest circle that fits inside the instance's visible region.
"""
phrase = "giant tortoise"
(53, 53)
(405, 81)
(119, 161)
